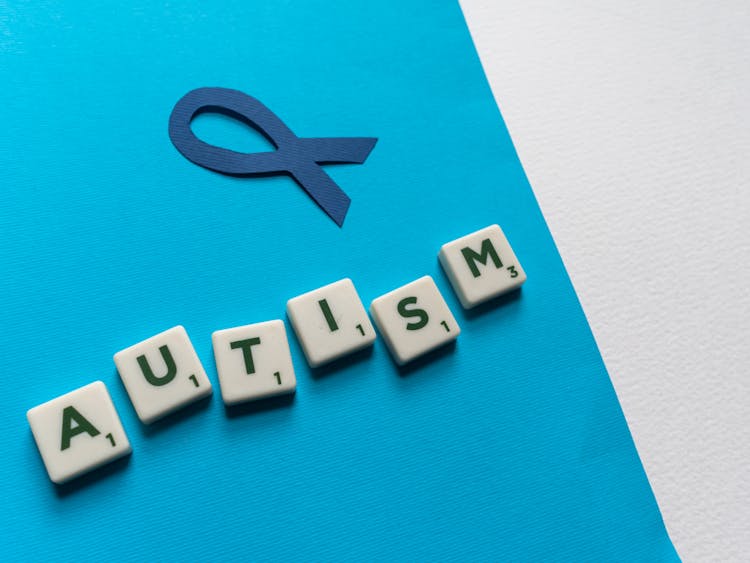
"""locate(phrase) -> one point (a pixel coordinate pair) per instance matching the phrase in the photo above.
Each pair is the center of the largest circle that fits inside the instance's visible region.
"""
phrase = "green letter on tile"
(328, 315)
(70, 415)
(247, 352)
(487, 251)
(406, 313)
(148, 372)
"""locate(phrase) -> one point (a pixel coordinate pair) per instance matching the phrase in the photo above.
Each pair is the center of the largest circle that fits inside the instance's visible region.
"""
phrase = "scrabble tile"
(78, 432)
(253, 362)
(414, 319)
(162, 374)
(330, 322)
(481, 266)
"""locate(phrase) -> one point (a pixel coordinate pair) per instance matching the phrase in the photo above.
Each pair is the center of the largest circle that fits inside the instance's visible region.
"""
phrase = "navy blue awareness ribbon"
(298, 157)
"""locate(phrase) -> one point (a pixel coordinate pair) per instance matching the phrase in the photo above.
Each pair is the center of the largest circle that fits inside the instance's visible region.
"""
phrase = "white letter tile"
(481, 266)
(78, 432)
(414, 319)
(253, 362)
(162, 374)
(330, 322)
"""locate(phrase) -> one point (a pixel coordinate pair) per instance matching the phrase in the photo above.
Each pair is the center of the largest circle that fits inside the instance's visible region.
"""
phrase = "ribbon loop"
(299, 157)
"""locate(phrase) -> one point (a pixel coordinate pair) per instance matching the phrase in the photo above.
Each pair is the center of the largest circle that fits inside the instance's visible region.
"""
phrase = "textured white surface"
(633, 124)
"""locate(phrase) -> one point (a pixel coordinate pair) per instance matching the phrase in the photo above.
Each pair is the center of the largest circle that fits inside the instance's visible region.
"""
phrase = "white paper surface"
(633, 125)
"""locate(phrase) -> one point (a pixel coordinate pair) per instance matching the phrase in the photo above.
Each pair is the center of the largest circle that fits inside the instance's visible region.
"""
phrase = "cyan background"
(510, 446)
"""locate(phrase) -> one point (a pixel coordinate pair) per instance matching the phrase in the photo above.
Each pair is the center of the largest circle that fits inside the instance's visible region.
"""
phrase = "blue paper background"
(510, 446)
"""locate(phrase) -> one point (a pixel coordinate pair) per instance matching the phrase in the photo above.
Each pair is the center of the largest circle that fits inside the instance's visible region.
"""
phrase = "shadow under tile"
(487, 306)
(341, 363)
(88, 479)
(491, 305)
(260, 405)
(432, 356)
(172, 419)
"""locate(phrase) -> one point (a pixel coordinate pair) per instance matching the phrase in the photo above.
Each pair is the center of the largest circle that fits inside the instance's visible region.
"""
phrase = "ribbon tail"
(331, 150)
(324, 191)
